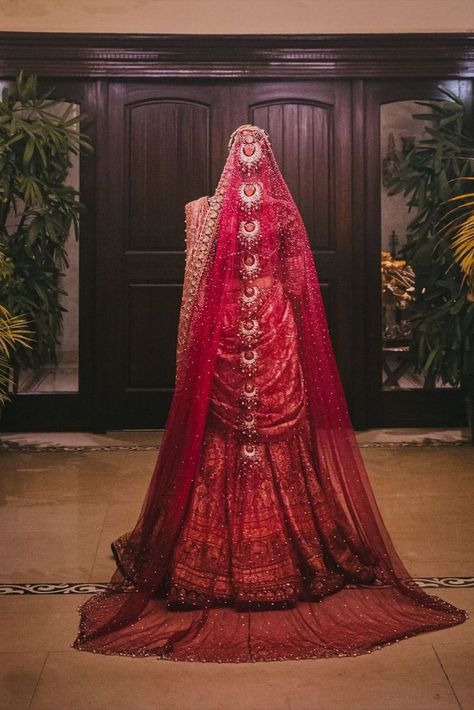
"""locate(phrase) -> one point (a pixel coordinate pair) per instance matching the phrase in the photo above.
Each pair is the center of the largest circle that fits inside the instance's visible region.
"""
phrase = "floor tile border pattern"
(7, 447)
(48, 588)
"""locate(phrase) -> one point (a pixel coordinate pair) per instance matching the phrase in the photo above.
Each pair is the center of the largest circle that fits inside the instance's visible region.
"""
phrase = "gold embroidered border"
(195, 267)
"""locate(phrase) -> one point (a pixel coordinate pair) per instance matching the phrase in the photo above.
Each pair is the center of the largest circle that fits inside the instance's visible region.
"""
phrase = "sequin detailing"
(248, 395)
(250, 298)
(249, 331)
(250, 266)
(250, 194)
(248, 360)
(250, 155)
(249, 233)
(249, 327)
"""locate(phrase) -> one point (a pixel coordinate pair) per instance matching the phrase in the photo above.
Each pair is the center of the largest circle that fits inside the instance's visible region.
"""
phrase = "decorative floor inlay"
(445, 582)
(52, 588)
(94, 587)
(12, 447)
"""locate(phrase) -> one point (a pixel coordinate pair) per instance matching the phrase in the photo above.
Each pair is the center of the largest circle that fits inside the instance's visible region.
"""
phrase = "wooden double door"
(167, 144)
(161, 143)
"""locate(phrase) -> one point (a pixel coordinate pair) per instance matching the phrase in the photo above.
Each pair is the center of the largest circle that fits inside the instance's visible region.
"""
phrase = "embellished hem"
(180, 598)
(166, 653)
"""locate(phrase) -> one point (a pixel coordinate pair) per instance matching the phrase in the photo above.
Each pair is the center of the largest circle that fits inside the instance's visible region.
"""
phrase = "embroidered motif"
(249, 233)
(249, 331)
(250, 155)
(248, 360)
(249, 394)
(248, 423)
(250, 195)
(250, 266)
(249, 453)
(250, 297)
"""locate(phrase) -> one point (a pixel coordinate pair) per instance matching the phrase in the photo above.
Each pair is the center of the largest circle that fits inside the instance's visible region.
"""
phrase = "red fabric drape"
(134, 616)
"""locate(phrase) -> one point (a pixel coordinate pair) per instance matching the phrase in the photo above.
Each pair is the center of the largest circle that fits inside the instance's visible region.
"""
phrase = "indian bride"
(259, 537)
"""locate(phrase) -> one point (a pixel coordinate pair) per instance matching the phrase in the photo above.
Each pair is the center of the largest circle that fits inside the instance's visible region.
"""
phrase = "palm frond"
(463, 245)
(13, 332)
(5, 378)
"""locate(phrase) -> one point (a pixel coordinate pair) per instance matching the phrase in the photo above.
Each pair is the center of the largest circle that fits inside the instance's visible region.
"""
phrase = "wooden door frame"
(107, 55)
(394, 407)
(37, 412)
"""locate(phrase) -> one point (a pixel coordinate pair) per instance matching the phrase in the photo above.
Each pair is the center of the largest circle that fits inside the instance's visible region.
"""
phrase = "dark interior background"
(160, 112)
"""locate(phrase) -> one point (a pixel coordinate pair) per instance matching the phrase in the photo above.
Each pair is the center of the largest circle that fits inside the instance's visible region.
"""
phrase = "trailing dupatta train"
(259, 537)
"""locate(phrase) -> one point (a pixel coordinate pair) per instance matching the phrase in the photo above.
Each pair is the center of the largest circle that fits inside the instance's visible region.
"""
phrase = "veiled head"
(247, 134)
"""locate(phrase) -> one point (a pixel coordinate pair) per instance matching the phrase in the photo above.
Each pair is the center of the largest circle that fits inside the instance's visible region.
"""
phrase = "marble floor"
(65, 497)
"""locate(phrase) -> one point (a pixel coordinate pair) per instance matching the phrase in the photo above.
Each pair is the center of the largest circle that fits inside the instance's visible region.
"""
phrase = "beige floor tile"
(39, 623)
(61, 510)
(425, 498)
(104, 563)
(421, 465)
(441, 566)
(122, 515)
(457, 660)
(127, 437)
(408, 674)
(82, 474)
(57, 517)
(49, 556)
(462, 633)
(19, 675)
(427, 550)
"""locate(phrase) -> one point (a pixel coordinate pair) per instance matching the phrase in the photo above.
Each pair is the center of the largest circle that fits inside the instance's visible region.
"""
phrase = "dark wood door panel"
(162, 139)
(168, 154)
(302, 140)
(152, 327)
(309, 123)
(168, 145)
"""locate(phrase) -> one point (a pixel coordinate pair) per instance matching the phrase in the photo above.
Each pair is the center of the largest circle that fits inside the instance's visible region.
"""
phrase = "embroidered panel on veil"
(259, 537)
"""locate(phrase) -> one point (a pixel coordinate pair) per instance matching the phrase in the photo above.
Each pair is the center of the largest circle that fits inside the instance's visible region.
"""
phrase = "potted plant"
(431, 176)
(37, 209)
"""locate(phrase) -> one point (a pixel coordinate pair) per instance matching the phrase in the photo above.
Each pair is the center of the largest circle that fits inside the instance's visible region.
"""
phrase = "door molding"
(228, 56)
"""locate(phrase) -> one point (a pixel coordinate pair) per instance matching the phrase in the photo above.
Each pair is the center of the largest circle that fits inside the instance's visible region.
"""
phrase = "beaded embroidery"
(249, 232)
(249, 393)
(250, 195)
(250, 454)
(248, 360)
(250, 297)
(249, 331)
(250, 155)
(250, 266)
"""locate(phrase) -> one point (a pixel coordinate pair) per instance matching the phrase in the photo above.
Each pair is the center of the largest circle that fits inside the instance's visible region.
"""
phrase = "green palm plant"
(438, 246)
(37, 210)
(14, 333)
(460, 229)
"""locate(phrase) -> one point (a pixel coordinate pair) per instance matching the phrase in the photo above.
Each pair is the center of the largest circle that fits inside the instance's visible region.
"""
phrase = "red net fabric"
(259, 537)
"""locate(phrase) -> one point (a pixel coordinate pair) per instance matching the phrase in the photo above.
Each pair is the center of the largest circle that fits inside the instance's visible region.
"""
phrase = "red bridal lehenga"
(259, 538)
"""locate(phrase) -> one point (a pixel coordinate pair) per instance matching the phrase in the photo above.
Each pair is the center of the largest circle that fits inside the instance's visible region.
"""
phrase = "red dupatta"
(211, 268)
